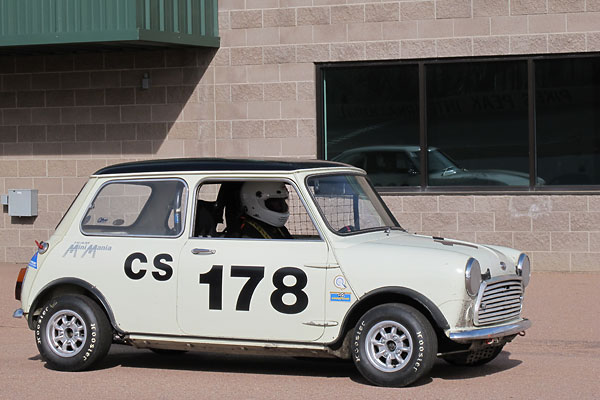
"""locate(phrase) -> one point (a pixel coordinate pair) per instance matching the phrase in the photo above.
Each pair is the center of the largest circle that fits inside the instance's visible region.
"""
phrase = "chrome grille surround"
(499, 300)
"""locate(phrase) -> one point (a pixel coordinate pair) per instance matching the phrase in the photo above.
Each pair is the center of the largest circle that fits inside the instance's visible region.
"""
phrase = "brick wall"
(64, 116)
(560, 233)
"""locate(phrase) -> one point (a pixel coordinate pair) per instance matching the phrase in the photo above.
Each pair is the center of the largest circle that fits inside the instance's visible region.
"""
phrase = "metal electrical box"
(23, 202)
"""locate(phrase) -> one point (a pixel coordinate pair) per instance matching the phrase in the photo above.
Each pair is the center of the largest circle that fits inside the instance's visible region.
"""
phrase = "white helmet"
(265, 201)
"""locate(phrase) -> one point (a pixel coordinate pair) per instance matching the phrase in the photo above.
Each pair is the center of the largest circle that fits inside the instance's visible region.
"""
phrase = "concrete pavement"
(558, 359)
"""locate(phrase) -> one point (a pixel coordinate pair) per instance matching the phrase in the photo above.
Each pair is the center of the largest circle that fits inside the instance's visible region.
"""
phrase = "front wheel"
(72, 333)
(393, 345)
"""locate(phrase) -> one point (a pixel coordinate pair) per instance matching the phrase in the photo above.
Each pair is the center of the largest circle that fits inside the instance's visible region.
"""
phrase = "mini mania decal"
(85, 249)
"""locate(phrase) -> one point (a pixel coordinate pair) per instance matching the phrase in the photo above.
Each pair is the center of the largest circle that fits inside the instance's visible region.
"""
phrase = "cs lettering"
(135, 263)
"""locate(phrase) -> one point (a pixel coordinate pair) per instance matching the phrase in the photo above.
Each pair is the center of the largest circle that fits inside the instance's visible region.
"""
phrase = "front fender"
(436, 275)
(390, 295)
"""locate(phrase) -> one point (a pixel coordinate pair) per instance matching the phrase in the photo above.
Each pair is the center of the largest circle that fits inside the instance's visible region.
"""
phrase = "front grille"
(500, 299)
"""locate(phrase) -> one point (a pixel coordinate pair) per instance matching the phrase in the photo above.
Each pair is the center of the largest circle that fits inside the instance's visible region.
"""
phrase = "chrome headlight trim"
(472, 277)
(524, 268)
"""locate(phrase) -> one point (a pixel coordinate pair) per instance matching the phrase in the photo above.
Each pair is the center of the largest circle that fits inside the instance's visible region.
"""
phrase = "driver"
(265, 210)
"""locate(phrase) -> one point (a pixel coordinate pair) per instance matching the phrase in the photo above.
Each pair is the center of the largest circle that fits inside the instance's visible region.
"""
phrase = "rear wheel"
(72, 333)
(393, 345)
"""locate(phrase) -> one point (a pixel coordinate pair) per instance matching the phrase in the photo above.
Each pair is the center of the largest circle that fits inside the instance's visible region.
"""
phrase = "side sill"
(226, 346)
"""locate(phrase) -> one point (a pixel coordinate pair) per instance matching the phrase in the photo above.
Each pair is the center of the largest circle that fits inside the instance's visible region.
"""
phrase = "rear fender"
(69, 286)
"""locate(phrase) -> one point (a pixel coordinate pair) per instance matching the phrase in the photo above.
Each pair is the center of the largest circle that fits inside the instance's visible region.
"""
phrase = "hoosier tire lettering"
(355, 347)
(92, 342)
(421, 351)
(39, 324)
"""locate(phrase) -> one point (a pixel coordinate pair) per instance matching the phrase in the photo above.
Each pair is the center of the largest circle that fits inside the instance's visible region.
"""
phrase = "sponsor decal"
(33, 261)
(340, 282)
(340, 296)
(83, 249)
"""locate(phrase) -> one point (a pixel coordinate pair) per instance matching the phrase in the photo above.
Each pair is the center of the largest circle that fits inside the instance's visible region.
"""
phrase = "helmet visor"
(278, 205)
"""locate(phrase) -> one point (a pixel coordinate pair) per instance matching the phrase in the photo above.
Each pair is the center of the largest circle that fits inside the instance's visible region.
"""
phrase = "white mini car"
(297, 258)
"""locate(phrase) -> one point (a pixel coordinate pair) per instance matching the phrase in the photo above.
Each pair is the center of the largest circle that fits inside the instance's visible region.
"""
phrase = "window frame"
(183, 207)
(218, 179)
(320, 69)
(322, 212)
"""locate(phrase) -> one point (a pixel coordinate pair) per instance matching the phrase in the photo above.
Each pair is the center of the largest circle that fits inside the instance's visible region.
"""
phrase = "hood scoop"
(451, 242)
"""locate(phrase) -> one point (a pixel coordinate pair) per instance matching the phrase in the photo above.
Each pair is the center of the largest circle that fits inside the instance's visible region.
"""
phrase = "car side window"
(137, 208)
(251, 209)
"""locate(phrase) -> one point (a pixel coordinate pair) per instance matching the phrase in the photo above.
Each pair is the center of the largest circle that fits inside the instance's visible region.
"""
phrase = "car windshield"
(439, 161)
(348, 203)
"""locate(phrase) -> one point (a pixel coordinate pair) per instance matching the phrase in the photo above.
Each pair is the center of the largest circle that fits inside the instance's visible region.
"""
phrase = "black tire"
(72, 333)
(412, 331)
(475, 357)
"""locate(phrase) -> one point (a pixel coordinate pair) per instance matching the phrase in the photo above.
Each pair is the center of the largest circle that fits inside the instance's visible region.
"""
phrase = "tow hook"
(493, 341)
(522, 333)
(18, 313)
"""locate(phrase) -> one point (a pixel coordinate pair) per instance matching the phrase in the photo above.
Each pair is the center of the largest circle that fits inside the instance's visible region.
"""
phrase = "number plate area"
(252, 289)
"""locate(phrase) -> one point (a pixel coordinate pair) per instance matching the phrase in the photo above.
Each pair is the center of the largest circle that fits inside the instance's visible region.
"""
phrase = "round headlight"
(524, 268)
(472, 277)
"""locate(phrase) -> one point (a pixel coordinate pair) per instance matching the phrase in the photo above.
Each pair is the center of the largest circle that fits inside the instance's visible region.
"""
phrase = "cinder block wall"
(560, 233)
(64, 116)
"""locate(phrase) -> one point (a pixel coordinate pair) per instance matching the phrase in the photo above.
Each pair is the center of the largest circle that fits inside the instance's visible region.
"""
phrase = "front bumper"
(490, 332)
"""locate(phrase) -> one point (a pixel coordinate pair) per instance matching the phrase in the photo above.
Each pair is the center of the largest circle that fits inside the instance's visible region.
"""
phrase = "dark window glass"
(477, 123)
(372, 121)
(568, 121)
(137, 208)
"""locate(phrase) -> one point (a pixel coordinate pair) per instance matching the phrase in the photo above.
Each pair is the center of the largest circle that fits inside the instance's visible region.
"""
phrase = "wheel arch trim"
(93, 290)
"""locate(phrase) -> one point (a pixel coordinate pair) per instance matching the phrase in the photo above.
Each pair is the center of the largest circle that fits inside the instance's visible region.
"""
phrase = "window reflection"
(370, 105)
(478, 121)
(477, 115)
(568, 123)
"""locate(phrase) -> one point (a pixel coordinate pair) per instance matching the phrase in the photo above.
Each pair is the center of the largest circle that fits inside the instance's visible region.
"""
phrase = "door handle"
(203, 251)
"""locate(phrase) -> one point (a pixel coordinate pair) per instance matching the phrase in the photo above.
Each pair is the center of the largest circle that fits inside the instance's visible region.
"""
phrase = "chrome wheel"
(389, 346)
(66, 333)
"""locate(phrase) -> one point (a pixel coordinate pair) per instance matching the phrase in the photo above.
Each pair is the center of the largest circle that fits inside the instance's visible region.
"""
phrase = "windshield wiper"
(395, 228)
(386, 229)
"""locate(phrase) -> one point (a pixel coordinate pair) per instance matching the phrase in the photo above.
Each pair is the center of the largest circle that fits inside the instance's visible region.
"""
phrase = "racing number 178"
(214, 280)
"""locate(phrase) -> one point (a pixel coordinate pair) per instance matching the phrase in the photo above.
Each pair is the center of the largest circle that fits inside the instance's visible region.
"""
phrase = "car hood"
(400, 247)
(505, 177)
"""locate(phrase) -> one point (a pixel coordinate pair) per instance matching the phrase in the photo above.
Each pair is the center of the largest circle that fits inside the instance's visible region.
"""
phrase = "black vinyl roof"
(214, 164)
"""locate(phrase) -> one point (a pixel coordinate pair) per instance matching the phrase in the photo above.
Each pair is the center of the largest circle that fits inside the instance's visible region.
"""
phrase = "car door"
(259, 289)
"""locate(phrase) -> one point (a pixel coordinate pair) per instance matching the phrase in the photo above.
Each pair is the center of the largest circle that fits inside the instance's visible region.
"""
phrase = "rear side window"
(137, 208)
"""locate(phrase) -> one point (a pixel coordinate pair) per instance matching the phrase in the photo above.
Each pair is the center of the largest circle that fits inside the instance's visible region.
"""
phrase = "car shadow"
(128, 357)
(446, 371)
